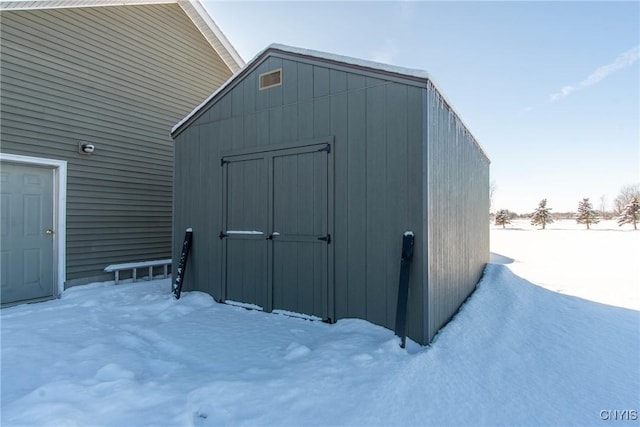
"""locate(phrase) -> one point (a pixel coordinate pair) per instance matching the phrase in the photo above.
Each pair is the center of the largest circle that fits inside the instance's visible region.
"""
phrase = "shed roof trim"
(192, 8)
(409, 72)
(347, 60)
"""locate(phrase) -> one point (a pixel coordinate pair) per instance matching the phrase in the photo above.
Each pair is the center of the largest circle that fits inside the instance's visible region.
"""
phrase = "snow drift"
(515, 354)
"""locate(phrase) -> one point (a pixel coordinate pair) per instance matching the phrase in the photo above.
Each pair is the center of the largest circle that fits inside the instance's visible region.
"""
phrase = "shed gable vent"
(271, 79)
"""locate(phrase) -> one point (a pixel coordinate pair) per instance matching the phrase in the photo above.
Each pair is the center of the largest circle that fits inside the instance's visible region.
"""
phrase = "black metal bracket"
(223, 162)
(222, 235)
(326, 238)
(176, 287)
(403, 287)
(270, 237)
(326, 148)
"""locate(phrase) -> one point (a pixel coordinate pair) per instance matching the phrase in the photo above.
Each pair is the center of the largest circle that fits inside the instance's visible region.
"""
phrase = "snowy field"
(601, 264)
(550, 337)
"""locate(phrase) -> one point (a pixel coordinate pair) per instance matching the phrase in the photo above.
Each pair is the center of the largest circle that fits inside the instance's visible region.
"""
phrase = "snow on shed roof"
(408, 72)
(411, 73)
(192, 8)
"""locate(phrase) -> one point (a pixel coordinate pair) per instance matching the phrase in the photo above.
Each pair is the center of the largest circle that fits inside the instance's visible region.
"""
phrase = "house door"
(275, 229)
(26, 230)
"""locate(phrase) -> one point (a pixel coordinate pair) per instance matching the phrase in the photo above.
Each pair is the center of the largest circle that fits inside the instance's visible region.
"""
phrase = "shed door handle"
(326, 238)
(48, 232)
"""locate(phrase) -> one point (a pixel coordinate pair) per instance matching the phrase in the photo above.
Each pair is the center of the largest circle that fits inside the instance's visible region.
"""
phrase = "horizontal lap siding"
(377, 129)
(120, 78)
(458, 205)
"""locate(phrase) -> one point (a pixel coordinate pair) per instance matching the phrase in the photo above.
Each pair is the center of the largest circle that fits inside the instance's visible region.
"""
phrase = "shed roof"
(362, 64)
(192, 8)
(328, 57)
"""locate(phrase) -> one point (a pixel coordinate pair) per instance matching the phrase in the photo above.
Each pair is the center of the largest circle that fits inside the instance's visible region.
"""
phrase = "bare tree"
(603, 206)
(627, 194)
(492, 190)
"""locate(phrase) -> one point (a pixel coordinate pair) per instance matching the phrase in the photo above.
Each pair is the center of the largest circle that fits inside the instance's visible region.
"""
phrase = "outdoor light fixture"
(86, 147)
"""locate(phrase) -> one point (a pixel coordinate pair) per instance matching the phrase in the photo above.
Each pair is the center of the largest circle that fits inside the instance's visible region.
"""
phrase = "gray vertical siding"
(402, 160)
(457, 209)
(118, 77)
(376, 128)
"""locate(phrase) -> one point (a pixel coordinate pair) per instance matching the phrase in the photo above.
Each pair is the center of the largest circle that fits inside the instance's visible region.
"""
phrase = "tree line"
(626, 210)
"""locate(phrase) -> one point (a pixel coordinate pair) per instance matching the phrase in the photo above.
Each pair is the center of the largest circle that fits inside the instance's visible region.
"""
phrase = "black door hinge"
(326, 238)
(326, 148)
(223, 162)
(222, 235)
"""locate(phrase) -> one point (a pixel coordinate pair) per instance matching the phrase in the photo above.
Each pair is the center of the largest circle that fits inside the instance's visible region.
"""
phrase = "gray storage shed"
(300, 175)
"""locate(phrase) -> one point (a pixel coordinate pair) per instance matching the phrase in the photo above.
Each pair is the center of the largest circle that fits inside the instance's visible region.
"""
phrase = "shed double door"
(275, 229)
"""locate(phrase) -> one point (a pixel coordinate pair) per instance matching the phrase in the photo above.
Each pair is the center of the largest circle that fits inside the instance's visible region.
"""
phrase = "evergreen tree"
(542, 215)
(630, 214)
(586, 214)
(503, 217)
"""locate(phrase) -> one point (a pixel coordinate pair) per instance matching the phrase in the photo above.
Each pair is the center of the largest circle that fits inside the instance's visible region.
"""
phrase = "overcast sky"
(550, 89)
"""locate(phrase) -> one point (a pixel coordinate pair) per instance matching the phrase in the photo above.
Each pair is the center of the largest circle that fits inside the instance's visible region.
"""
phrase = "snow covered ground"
(562, 351)
(601, 264)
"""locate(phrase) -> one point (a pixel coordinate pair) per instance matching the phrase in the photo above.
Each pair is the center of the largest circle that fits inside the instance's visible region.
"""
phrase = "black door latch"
(326, 238)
